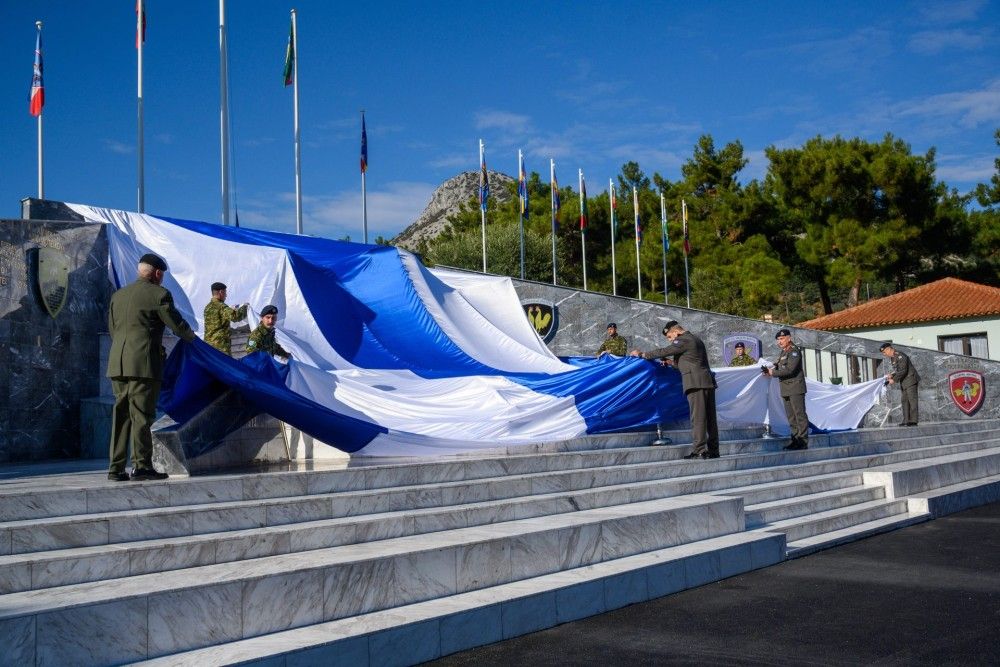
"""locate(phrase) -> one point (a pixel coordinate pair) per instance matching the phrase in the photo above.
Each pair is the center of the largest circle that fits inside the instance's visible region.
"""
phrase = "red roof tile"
(945, 299)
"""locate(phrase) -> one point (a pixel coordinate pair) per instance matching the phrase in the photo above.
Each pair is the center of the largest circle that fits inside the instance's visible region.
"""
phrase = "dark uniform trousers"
(909, 402)
(132, 416)
(798, 422)
(704, 426)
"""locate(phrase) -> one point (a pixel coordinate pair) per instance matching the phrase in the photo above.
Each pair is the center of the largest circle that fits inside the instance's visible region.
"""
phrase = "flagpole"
(295, 106)
(482, 199)
(583, 231)
(520, 209)
(663, 242)
(611, 206)
(687, 248)
(364, 169)
(41, 158)
(638, 268)
(140, 39)
(224, 110)
(555, 219)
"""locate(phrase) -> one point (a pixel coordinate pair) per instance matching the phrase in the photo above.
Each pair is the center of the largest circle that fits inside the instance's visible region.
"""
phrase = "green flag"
(290, 57)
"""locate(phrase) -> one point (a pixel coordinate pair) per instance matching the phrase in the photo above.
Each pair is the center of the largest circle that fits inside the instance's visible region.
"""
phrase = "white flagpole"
(224, 109)
(663, 244)
(41, 159)
(520, 215)
(611, 205)
(295, 105)
(555, 220)
(687, 276)
(483, 201)
(583, 234)
(140, 167)
(364, 188)
(638, 268)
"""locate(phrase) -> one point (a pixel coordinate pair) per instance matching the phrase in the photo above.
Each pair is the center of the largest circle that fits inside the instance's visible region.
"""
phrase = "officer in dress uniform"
(262, 338)
(741, 358)
(905, 375)
(788, 369)
(613, 344)
(218, 317)
(687, 353)
(136, 318)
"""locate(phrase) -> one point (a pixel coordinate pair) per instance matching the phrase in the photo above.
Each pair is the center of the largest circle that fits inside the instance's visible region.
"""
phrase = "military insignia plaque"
(750, 342)
(543, 316)
(53, 279)
(967, 389)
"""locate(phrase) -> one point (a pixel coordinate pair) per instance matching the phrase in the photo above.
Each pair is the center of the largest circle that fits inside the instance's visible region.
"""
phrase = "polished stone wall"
(49, 363)
(581, 319)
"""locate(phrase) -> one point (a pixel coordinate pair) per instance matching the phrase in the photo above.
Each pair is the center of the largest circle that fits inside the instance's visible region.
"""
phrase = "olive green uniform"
(742, 360)
(615, 345)
(218, 317)
(788, 369)
(136, 319)
(262, 339)
(905, 375)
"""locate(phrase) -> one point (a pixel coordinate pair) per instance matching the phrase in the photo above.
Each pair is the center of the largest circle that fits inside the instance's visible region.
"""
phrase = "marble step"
(831, 520)
(196, 607)
(906, 479)
(435, 628)
(136, 525)
(779, 490)
(813, 543)
(790, 508)
(956, 497)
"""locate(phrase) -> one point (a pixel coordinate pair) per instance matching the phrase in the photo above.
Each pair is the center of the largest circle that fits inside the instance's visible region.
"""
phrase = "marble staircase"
(395, 562)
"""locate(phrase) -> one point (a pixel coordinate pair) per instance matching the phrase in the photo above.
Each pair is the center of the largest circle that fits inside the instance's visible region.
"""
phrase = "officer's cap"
(670, 325)
(612, 325)
(740, 344)
(216, 287)
(782, 332)
(883, 346)
(154, 261)
(269, 310)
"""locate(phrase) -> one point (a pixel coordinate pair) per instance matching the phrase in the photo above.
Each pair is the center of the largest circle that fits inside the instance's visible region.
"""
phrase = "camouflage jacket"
(218, 317)
(262, 339)
(617, 346)
(742, 360)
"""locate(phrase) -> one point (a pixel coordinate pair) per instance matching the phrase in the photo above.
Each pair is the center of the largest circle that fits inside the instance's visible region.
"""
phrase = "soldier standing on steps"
(218, 317)
(788, 369)
(613, 344)
(905, 375)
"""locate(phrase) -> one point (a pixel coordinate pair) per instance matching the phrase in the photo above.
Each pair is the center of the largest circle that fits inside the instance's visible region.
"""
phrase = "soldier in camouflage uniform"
(741, 358)
(218, 317)
(262, 338)
(613, 344)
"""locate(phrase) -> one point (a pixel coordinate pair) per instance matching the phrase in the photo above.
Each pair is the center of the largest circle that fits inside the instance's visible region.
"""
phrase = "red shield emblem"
(967, 389)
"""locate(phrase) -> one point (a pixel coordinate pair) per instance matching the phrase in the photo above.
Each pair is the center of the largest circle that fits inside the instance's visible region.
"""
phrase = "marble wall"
(582, 317)
(49, 363)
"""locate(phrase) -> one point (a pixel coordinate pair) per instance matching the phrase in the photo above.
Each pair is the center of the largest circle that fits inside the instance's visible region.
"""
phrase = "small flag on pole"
(614, 212)
(484, 183)
(364, 145)
(684, 216)
(37, 89)
(140, 29)
(556, 203)
(522, 189)
(638, 223)
(583, 204)
(666, 236)
(290, 57)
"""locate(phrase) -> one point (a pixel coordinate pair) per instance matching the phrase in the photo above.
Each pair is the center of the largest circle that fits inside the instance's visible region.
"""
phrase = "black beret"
(612, 325)
(740, 344)
(154, 261)
(883, 346)
(269, 310)
(782, 332)
(218, 286)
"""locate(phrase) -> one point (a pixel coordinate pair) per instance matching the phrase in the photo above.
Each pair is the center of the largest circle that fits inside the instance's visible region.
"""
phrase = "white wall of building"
(926, 335)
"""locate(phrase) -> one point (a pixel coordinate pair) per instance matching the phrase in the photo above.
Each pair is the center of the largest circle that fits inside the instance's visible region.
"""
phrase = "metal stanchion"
(660, 440)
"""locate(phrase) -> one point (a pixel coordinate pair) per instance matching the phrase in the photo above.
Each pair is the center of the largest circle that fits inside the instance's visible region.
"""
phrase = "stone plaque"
(967, 389)
(543, 316)
(53, 279)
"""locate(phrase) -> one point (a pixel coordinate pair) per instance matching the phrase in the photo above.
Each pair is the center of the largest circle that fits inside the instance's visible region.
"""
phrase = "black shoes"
(693, 455)
(795, 446)
(708, 455)
(144, 474)
(909, 424)
(118, 477)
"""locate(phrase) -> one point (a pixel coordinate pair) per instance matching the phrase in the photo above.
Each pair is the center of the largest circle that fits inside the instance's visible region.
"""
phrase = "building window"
(971, 345)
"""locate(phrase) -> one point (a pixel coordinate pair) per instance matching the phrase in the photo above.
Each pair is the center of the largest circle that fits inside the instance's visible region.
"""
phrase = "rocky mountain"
(446, 201)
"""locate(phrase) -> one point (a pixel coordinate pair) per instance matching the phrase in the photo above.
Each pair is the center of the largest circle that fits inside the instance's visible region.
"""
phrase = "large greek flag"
(390, 358)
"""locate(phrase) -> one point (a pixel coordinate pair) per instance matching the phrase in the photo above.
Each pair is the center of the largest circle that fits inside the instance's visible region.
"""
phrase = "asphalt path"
(924, 595)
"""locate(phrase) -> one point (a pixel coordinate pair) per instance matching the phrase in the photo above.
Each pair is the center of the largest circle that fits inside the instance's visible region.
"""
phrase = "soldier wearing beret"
(740, 356)
(136, 319)
(789, 370)
(905, 375)
(262, 338)
(613, 344)
(688, 354)
(218, 317)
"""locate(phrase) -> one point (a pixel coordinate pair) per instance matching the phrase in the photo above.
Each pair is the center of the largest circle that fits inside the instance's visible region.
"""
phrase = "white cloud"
(119, 147)
(511, 123)
(965, 168)
(946, 13)
(932, 42)
(967, 109)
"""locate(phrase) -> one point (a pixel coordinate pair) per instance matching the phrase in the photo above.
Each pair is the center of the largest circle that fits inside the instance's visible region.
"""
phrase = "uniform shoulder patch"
(251, 343)
(795, 354)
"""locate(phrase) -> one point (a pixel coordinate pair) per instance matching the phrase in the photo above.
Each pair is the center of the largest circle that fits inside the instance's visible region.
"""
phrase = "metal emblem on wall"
(543, 317)
(750, 342)
(53, 279)
(967, 389)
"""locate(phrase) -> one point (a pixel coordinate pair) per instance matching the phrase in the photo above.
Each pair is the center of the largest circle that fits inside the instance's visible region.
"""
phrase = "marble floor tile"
(109, 633)
(306, 509)
(275, 486)
(5, 541)
(20, 506)
(171, 557)
(15, 576)
(254, 545)
(280, 602)
(580, 601)
(195, 617)
(323, 536)
(351, 652)
(135, 527)
(197, 492)
(61, 535)
(528, 614)
(406, 645)
(130, 497)
(18, 641)
(357, 588)
(425, 575)
(239, 517)
(625, 588)
(92, 567)
(483, 564)
(469, 629)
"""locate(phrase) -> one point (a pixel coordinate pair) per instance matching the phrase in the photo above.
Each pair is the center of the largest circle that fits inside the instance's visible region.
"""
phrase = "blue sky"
(590, 84)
